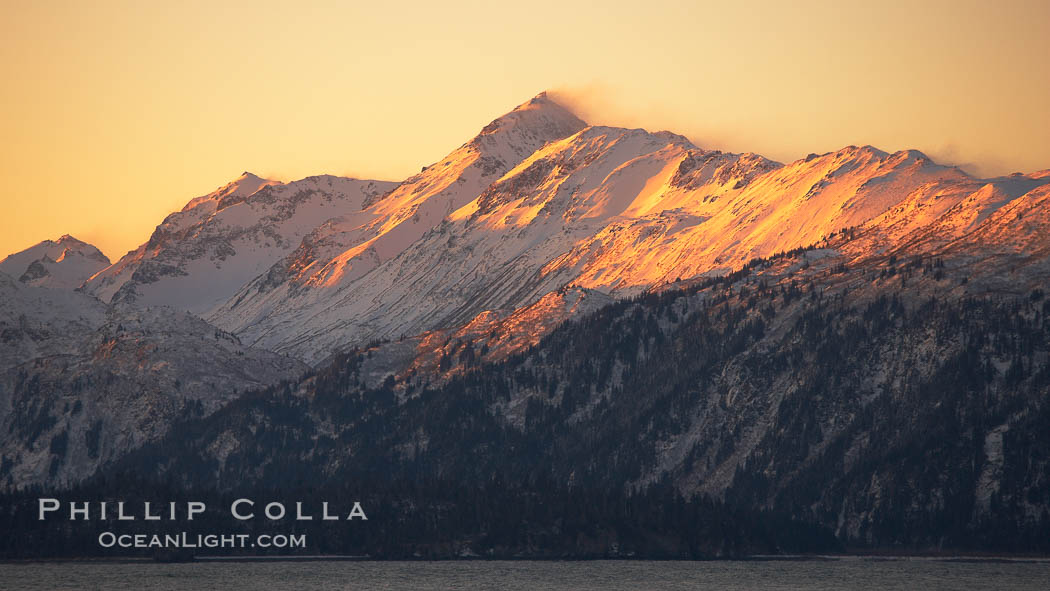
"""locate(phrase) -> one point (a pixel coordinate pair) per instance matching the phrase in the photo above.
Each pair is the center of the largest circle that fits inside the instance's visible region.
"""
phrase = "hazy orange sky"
(116, 113)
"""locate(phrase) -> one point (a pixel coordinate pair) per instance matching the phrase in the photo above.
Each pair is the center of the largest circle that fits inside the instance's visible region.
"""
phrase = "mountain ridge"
(701, 180)
(528, 209)
(538, 223)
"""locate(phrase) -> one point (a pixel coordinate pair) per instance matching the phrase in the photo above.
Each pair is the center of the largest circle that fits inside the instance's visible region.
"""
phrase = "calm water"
(846, 573)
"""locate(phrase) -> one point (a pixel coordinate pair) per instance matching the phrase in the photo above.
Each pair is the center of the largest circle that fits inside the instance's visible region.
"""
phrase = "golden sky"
(116, 113)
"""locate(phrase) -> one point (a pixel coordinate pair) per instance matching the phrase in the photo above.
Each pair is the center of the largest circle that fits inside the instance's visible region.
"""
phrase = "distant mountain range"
(602, 305)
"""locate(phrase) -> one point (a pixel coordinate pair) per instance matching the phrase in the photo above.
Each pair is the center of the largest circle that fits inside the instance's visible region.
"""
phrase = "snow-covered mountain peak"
(538, 111)
(235, 191)
(63, 263)
(245, 184)
(564, 176)
(387, 223)
(865, 150)
(198, 257)
(520, 132)
(66, 242)
(672, 137)
(911, 154)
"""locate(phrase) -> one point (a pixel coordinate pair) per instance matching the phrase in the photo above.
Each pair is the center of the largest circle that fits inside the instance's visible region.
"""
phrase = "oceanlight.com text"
(186, 540)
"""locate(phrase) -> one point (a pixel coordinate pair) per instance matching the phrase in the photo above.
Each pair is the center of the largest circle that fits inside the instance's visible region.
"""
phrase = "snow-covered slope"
(344, 250)
(608, 209)
(38, 321)
(937, 213)
(200, 256)
(1021, 226)
(491, 253)
(82, 383)
(785, 208)
(537, 202)
(63, 263)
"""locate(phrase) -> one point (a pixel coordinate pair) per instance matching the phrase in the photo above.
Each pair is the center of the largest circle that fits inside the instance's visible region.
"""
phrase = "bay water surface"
(925, 574)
